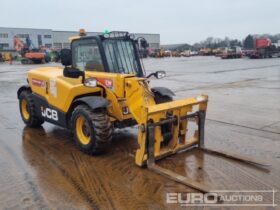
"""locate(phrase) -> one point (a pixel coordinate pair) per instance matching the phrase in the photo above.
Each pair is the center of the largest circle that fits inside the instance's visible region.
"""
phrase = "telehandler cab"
(103, 85)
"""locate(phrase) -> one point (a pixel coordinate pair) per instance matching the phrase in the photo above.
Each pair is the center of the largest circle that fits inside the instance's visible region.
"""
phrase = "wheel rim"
(24, 109)
(82, 130)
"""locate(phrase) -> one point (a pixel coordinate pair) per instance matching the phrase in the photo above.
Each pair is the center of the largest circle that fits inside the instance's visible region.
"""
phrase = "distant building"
(55, 39)
(38, 37)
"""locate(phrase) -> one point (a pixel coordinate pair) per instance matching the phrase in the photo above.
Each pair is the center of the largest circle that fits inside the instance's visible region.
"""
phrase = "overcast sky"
(177, 21)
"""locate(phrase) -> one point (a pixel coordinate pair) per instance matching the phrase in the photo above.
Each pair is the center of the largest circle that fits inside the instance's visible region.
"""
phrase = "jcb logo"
(49, 113)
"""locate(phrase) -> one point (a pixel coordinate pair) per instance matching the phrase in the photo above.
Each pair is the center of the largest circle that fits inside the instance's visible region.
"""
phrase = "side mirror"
(157, 74)
(73, 73)
(66, 57)
(160, 74)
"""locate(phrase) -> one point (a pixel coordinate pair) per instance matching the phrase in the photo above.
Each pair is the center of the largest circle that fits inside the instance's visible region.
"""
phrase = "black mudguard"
(163, 91)
(94, 102)
(24, 87)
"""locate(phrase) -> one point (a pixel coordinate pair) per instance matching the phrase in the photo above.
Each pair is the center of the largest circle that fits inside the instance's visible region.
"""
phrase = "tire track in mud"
(87, 197)
(122, 196)
(135, 188)
(95, 186)
(37, 195)
(113, 183)
(126, 182)
(110, 190)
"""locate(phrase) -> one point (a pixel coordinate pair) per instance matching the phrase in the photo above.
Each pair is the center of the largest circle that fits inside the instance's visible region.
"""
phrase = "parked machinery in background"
(218, 52)
(230, 53)
(55, 56)
(29, 54)
(206, 51)
(264, 48)
(167, 53)
(186, 53)
(6, 56)
(1, 58)
(157, 53)
(175, 53)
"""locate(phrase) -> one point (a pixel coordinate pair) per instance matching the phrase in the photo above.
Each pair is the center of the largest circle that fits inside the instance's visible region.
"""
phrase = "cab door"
(86, 55)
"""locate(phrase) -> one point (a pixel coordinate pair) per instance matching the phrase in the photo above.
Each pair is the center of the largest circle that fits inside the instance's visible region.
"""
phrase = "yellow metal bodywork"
(141, 103)
(60, 91)
(122, 91)
(158, 112)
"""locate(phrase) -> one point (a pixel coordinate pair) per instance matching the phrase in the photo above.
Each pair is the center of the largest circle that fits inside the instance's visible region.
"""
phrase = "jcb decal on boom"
(49, 113)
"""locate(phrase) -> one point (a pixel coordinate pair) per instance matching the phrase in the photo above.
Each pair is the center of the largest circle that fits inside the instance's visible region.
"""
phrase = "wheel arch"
(93, 102)
(163, 91)
(22, 88)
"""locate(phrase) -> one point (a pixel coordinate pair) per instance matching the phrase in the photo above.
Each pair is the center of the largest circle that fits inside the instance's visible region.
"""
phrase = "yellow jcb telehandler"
(103, 85)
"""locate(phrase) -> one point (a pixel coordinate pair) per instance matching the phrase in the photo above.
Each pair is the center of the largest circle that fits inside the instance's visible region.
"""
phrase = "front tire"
(92, 129)
(159, 99)
(27, 110)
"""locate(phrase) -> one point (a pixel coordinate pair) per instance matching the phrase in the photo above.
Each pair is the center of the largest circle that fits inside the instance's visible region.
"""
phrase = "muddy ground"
(43, 169)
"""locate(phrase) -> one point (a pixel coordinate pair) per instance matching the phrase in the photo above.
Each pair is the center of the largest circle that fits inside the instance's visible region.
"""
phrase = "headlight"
(91, 82)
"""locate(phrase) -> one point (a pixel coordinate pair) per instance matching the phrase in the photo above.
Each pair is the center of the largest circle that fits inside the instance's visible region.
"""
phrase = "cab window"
(86, 55)
(120, 56)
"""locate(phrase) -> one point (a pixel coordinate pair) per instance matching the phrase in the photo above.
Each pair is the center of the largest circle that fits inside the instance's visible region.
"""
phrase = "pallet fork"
(179, 114)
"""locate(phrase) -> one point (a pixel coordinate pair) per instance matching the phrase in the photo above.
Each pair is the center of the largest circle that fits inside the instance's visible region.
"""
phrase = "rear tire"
(27, 110)
(92, 129)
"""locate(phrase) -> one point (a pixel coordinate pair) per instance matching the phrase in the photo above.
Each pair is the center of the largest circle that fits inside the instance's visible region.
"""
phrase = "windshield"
(120, 56)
